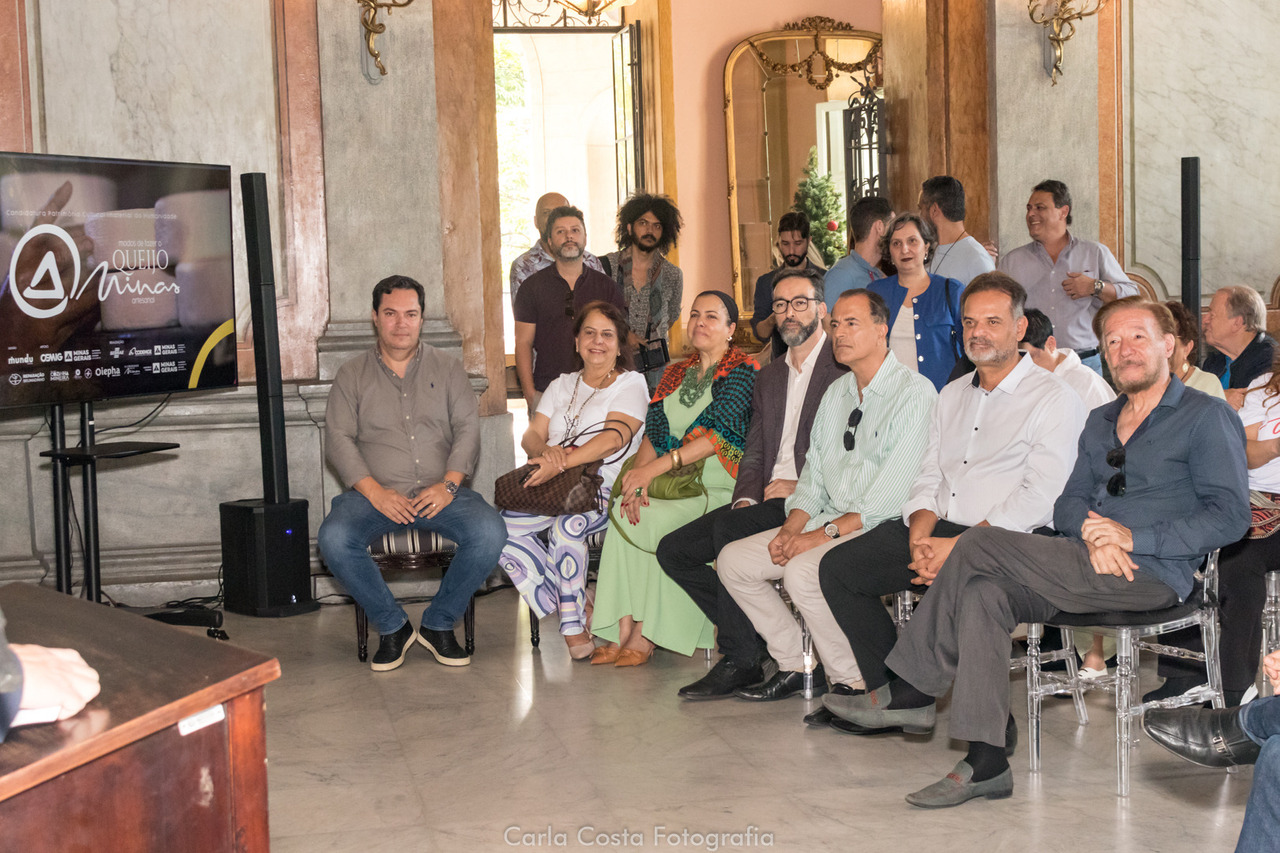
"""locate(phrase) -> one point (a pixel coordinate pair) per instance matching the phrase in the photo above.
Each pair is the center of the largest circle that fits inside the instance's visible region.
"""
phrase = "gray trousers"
(993, 580)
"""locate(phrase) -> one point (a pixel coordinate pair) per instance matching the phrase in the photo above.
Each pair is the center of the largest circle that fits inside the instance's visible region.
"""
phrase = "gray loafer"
(870, 711)
(957, 787)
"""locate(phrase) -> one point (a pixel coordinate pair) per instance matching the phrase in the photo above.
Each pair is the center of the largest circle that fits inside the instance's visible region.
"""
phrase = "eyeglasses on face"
(798, 303)
(851, 434)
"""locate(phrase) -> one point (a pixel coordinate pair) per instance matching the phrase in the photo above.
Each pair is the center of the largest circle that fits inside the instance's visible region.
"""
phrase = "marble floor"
(525, 741)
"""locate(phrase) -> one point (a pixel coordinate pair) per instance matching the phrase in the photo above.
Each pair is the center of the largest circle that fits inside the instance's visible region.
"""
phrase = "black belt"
(1087, 353)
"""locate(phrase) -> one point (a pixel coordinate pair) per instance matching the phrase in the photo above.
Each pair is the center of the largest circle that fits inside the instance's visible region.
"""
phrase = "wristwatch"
(1098, 284)
(451, 487)
(832, 531)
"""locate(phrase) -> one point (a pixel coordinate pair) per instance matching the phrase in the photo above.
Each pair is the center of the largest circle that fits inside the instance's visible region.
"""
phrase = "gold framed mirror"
(789, 93)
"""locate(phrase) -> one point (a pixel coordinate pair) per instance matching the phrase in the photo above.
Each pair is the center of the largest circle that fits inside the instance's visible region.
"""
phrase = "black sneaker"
(444, 647)
(392, 649)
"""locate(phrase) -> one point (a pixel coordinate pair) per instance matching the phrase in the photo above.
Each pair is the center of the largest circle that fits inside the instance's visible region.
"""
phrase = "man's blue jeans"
(353, 524)
(1260, 719)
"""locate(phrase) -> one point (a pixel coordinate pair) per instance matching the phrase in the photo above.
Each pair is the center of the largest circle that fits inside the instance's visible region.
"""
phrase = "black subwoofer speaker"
(266, 560)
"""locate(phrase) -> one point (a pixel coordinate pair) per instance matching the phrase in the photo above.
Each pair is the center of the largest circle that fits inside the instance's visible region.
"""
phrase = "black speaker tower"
(266, 553)
(1191, 235)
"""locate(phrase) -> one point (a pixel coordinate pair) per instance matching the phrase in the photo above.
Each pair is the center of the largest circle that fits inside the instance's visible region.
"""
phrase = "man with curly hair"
(648, 226)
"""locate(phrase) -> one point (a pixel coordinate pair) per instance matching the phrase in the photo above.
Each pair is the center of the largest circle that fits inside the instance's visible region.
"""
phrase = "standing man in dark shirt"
(1159, 482)
(549, 299)
(1238, 350)
(793, 243)
(403, 432)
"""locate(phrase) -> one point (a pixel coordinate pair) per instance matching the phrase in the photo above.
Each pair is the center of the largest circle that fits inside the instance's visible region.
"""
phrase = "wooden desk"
(120, 775)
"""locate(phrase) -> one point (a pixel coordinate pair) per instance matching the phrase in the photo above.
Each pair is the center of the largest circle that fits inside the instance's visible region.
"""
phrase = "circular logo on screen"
(15, 378)
(45, 295)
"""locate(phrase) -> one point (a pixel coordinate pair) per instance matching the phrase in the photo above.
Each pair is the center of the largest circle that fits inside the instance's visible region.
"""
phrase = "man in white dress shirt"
(1066, 277)
(1042, 346)
(1001, 446)
(864, 451)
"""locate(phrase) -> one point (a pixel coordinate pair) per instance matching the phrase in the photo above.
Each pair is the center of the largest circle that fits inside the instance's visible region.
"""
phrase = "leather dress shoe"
(785, 683)
(822, 717)
(444, 647)
(870, 711)
(724, 678)
(392, 649)
(958, 787)
(1209, 737)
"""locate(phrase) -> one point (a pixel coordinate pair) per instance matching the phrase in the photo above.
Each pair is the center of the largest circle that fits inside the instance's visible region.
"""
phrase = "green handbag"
(684, 482)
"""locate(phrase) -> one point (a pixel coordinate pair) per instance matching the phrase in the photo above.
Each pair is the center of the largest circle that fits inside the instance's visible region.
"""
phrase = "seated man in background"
(1001, 444)
(783, 406)
(1249, 734)
(868, 436)
(1042, 346)
(1238, 349)
(1159, 482)
(403, 432)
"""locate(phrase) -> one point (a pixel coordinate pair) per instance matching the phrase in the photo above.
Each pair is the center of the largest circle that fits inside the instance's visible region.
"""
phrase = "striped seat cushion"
(426, 542)
(412, 541)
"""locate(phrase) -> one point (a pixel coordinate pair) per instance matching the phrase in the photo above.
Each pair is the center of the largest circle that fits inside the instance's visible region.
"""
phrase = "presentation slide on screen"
(118, 279)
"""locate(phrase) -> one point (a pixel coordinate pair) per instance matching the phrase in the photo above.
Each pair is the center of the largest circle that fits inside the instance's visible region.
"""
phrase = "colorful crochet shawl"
(724, 420)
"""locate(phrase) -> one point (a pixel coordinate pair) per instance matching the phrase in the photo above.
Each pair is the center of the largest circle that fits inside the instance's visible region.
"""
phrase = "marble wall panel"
(184, 80)
(382, 188)
(1202, 84)
(1040, 130)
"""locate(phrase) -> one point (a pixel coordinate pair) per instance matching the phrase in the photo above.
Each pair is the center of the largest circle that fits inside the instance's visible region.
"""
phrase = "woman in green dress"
(700, 412)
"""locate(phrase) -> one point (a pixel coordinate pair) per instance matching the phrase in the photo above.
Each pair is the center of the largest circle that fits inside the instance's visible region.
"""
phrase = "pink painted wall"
(703, 34)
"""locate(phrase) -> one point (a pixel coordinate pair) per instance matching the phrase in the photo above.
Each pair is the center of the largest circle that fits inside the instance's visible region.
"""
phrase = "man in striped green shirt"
(868, 438)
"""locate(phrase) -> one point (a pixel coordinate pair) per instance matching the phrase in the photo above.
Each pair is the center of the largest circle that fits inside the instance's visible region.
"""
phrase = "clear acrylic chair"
(1271, 614)
(1130, 630)
(809, 659)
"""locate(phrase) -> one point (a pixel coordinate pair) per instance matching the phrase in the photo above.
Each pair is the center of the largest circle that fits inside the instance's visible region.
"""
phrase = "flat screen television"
(118, 279)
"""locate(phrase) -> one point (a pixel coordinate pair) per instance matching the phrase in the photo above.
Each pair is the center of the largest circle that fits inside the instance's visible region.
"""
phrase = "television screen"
(118, 278)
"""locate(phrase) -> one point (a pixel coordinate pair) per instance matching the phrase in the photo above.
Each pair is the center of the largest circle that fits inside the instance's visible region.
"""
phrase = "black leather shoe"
(782, 685)
(1210, 738)
(392, 649)
(822, 718)
(444, 647)
(724, 678)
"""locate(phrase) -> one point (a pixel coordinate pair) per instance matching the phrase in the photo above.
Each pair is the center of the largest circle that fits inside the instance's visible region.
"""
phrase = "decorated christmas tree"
(818, 199)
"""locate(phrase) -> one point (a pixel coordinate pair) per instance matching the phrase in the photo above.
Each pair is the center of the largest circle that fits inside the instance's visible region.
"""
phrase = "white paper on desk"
(36, 716)
(1269, 429)
(196, 722)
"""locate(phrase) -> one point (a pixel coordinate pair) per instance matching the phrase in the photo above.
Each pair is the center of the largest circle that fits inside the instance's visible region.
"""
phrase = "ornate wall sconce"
(373, 29)
(1059, 17)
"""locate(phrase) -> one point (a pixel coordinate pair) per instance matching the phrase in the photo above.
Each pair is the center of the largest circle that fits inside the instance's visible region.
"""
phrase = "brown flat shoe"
(605, 654)
(633, 657)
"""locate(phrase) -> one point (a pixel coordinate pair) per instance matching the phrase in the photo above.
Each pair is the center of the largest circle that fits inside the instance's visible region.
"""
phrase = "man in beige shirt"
(403, 432)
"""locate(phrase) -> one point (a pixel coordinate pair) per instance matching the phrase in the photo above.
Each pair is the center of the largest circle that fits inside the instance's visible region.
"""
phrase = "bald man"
(538, 257)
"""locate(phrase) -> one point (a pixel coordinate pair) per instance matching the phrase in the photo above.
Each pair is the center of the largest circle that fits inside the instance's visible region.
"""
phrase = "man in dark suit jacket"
(784, 403)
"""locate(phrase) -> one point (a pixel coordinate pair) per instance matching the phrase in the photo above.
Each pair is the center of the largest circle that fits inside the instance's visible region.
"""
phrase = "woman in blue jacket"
(928, 337)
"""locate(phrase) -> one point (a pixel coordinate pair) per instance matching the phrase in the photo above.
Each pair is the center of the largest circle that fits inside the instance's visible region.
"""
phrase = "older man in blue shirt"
(1159, 482)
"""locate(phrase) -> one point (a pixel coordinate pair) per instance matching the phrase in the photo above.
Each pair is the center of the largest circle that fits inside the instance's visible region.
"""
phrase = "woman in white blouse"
(552, 575)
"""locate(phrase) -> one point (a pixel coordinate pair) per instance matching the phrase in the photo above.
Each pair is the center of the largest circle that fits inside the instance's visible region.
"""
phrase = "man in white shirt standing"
(959, 254)
(1001, 446)
(1066, 277)
(1042, 346)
